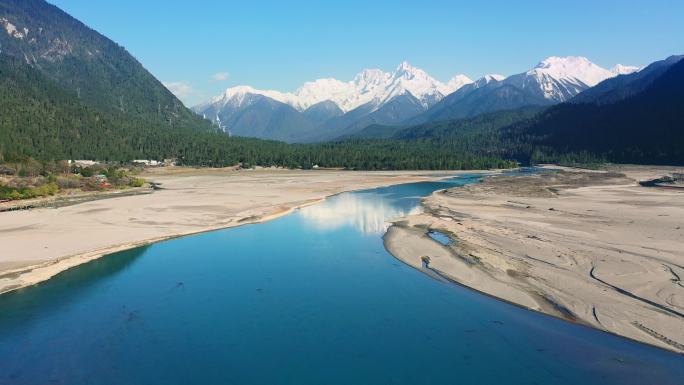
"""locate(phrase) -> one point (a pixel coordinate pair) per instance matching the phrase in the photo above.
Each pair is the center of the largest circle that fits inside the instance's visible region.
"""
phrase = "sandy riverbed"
(39, 243)
(590, 247)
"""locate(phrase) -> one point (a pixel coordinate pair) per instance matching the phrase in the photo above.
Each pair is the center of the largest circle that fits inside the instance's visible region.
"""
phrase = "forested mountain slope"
(646, 127)
(621, 87)
(554, 80)
(68, 92)
(451, 128)
(86, 64)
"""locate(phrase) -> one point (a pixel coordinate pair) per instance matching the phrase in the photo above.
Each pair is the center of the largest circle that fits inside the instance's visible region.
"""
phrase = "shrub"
(87, 172)
(137, 182)
(69, 182)
(13, 193)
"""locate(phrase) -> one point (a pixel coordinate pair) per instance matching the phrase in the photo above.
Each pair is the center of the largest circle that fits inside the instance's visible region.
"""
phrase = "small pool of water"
(441, 237)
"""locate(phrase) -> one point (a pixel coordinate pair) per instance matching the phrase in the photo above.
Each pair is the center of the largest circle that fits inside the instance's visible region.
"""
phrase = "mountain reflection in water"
(369, 214)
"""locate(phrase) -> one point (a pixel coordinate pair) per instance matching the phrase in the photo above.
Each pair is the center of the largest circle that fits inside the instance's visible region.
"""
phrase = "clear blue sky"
(279, 44)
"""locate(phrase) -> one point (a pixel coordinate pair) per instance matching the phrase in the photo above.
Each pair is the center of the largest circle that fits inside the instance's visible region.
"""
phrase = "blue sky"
(205, 46)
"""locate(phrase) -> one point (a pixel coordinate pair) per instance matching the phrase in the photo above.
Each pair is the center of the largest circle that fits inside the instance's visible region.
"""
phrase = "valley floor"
(39, 243)
(590, 247)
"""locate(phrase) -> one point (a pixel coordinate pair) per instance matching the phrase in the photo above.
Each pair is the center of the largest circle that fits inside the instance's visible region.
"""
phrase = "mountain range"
(554, 80)
(328, 105)
(68, 92)
(326, 109)
(634, 118)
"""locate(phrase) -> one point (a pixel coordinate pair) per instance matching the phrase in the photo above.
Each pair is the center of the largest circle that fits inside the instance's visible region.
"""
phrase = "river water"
(309, 298)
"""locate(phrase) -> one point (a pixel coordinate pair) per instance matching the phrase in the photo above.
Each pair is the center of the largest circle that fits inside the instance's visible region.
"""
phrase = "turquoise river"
(309, 298)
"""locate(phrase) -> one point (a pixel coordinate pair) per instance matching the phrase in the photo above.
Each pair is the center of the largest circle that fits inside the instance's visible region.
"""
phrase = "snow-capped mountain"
(553, 80)
(328, 108)
(564, 77)
(320, 90)
(483, 81)
(243, 96)
(633, 81)
(367, 93)
(620, 69)
(368, 86)
(457, 82)
(561, 78)
(409, 79)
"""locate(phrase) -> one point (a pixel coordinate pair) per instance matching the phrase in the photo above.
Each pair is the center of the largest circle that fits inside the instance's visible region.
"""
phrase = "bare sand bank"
(37, 244)
(590, 247)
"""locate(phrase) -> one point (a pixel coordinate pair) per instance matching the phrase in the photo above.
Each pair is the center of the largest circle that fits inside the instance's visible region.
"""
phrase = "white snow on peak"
(558, 78)
(347, 95)
(322, 89)
(372, 86)
(409, 79)
(571, 68)
(620, 69)
(457, 82)
(489, 78)
(493, 78)
(242, 96)
(370, 79)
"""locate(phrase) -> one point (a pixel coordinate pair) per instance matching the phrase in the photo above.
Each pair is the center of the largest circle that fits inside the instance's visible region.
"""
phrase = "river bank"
(591, 247)
(294, 295)
(40, 243)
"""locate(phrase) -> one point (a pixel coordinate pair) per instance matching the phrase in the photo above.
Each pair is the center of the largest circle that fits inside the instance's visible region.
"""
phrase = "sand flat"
(39, 243)
(594, 248)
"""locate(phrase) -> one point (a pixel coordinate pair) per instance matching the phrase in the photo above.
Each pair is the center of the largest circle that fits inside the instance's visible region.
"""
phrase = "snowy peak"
(370, 78)
(406, 66)
(490, 78)
(571, 68)
(620, 69)
(561, 78)
(428, 90)
(406, 71)
(554, 79)
(409, 79)
(369, 87)
(243, 96)
(366, 86)
(493, 78)
(457, 82)
(320, 90)
(329, 86)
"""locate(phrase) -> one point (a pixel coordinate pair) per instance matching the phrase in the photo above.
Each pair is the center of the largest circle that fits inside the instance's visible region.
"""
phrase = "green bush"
(137, 182)
(87, 172)
(13, 193)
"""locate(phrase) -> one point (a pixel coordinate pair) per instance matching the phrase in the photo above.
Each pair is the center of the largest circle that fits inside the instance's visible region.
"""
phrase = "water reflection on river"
(369, 215)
